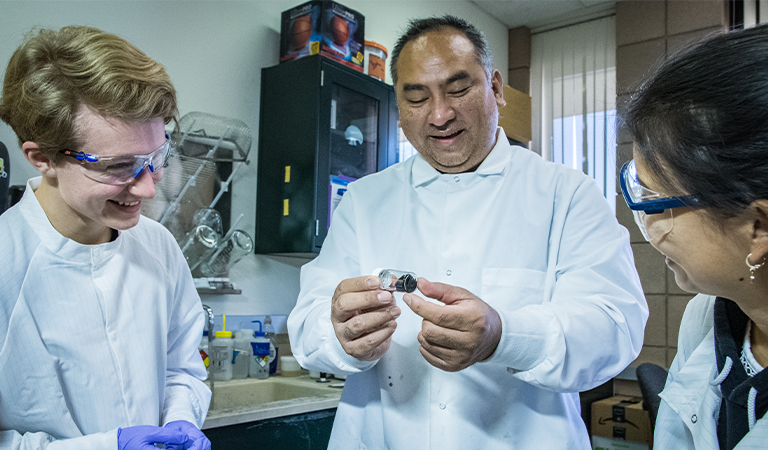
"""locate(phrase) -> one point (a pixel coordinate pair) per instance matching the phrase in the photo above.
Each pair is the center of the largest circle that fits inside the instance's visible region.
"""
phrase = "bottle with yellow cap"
(223, 346)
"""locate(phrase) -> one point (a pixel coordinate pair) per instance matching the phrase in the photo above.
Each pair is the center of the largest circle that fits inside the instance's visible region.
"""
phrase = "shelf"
(210, 291)
(215, 286)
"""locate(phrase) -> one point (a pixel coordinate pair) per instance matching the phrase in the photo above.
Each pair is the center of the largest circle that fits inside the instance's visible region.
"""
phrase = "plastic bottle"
(203, 348)
(223, 347)
(290, 367)
(269, 333)
(260, 355)
(241, 361)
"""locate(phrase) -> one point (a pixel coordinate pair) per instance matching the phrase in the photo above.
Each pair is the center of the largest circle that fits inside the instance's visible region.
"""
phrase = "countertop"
(249, 399)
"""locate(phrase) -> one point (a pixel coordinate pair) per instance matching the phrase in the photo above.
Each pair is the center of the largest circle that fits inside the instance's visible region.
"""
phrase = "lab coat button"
(442, 405)
(694, 418)
(456, 178)
(448, 272)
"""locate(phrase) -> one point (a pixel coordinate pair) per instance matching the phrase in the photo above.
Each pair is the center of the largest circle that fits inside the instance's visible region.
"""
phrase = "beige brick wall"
(648, 31)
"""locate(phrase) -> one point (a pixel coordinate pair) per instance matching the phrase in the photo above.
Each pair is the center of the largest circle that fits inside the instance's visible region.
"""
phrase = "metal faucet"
(209, 313)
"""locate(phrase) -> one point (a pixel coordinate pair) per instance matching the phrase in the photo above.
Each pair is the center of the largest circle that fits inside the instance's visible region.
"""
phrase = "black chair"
(651, 379)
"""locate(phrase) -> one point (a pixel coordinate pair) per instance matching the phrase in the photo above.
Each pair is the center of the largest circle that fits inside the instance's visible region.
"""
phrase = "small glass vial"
(397, 280)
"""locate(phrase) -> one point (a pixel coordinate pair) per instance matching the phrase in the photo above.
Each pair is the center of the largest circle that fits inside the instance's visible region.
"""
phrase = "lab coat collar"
(691, 395)
(682, 392)
(423, 173)
(52, 239)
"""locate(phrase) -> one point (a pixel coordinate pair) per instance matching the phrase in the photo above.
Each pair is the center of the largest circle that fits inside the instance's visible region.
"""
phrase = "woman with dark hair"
(698, 187)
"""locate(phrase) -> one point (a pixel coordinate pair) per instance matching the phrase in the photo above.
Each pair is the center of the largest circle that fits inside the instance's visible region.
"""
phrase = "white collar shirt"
(536, 241)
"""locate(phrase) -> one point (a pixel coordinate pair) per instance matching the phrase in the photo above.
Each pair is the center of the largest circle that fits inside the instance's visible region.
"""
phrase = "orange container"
(376, 57)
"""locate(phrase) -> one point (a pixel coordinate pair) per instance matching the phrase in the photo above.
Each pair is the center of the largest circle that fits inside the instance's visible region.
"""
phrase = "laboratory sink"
(250, 392)
(246, 400)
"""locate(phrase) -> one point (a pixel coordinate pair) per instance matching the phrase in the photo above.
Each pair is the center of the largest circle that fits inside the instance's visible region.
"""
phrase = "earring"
(753, 268)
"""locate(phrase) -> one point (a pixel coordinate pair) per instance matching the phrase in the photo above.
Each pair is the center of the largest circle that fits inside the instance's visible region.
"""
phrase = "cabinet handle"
(317, 228)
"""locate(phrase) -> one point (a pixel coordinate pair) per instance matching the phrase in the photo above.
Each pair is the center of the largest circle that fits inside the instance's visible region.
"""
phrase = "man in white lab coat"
(99, 316)
(528, 291)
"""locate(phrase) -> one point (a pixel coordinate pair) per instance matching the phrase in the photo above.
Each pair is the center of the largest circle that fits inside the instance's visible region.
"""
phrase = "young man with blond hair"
(99, 316)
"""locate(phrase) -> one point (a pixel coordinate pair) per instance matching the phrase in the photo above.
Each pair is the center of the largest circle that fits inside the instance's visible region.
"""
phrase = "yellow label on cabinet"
(314, 48)
(287, 174)
(285, 207)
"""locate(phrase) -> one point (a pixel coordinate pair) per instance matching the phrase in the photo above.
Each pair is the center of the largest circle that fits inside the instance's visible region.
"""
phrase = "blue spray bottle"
(260, 356)
(269, 333)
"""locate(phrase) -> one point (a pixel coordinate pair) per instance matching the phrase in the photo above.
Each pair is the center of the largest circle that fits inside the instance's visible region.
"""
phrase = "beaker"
(229, 252)
(397, 280)
(209, 217)
(198, 244)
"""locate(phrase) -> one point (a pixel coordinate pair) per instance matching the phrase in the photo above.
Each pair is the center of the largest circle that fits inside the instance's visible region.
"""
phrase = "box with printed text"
(323, 27)
(620, 422)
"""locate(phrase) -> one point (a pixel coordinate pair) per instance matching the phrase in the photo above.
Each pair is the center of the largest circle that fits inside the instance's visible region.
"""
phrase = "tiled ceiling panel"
(541, 13)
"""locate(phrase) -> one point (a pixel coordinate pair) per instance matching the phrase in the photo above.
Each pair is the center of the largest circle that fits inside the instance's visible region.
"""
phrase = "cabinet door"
(354, 134)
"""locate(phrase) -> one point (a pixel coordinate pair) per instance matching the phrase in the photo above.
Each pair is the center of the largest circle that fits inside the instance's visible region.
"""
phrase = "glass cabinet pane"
(354, 133)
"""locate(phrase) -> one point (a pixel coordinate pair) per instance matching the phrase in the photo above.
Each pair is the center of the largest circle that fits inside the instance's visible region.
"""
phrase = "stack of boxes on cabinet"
(323, 27)
(326, 28)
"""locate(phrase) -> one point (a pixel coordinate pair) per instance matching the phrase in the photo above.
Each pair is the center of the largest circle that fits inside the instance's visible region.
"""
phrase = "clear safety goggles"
(652, 210)
(120, 170)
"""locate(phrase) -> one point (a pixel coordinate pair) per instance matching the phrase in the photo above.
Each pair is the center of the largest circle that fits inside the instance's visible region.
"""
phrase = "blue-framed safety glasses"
(120, 170)
(640, 198)
(652, 210)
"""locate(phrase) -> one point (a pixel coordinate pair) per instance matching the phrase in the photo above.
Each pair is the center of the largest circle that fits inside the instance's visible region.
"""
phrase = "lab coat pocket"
(31, 398)
(512, 289)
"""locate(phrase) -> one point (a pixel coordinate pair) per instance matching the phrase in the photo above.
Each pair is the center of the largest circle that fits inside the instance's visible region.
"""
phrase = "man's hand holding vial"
(363, 317)
(455, 335)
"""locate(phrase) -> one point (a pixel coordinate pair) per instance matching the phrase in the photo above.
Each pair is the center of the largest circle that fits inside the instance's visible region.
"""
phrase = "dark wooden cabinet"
(308, 431)
(321, 125)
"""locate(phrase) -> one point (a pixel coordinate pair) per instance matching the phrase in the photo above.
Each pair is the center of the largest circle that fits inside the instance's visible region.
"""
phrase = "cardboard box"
(621, 418)
(325, 27)
(601, 443)
(515, 116)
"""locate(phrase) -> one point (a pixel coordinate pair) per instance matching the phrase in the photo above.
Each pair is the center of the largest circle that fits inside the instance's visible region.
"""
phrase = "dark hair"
(700, 124)
(417, 27)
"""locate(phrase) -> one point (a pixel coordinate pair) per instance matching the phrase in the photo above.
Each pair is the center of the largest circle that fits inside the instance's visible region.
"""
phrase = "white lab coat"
(690, 402)
(94, 337)
(536, 241)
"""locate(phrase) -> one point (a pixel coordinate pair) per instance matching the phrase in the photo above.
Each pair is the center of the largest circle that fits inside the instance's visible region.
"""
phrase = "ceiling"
(539, 15)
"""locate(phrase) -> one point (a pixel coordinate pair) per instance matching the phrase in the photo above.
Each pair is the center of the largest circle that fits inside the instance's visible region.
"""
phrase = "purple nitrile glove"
(197, 440)
(144, 437)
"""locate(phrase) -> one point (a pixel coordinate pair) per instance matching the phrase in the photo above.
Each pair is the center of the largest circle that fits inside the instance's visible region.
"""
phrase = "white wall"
(214, 52)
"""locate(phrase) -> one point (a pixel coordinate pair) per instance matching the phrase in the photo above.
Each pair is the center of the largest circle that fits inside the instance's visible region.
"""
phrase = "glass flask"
(210, 217)
(229, 252)
(198, 244)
